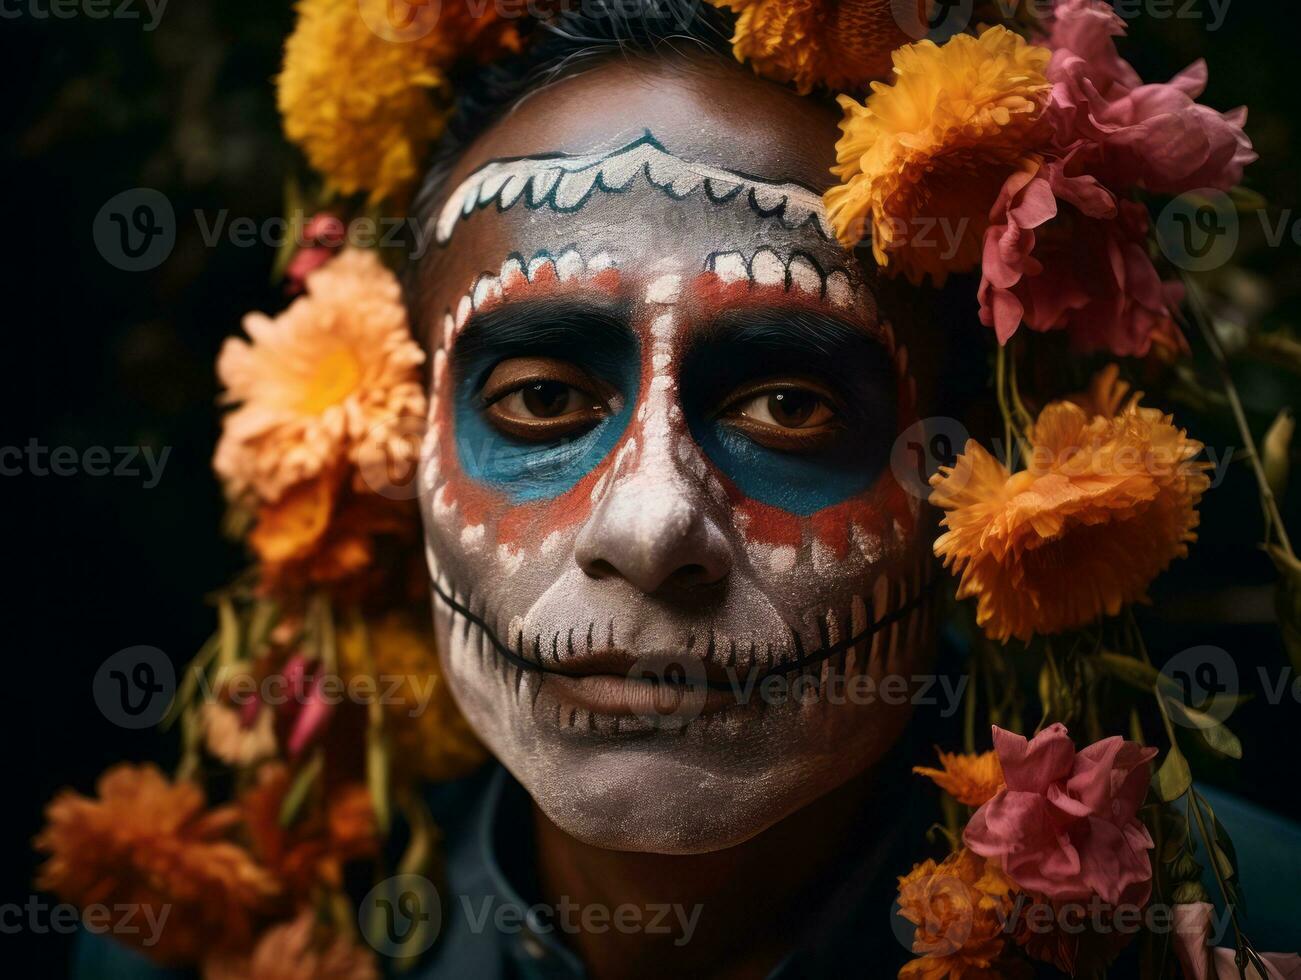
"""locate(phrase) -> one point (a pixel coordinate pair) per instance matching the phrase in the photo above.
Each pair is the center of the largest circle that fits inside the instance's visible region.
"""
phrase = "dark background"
(95, 356)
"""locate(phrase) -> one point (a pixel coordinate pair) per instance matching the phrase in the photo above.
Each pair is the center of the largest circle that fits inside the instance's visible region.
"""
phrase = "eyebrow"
(595, 326)
(784, 340)
(789, 328)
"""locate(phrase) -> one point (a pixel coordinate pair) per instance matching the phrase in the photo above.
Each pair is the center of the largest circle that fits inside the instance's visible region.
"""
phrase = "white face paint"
(670, 538)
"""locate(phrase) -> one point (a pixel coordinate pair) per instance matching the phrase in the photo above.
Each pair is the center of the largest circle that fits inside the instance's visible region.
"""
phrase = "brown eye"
(546, 399)
(792, 408)
(786, 414)
(540, 399)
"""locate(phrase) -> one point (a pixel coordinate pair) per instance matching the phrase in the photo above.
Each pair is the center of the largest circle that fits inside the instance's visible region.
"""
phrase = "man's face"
(671, 565)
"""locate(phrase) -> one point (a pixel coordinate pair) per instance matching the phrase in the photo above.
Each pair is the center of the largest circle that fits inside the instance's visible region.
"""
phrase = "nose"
(656, 534)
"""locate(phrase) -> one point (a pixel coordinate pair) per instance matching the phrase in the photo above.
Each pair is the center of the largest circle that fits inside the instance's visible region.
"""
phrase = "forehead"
(659, 165)
(725, 116)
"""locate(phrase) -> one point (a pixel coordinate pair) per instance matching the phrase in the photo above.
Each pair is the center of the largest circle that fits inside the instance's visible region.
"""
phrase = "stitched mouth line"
(802, 661)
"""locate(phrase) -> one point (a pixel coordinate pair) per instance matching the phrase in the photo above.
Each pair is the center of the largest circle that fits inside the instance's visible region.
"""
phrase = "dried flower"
(839, 44)
(295, 950)
(431, 740)
(969, 779)
(315, 848)
(958, 907)
(151, 843)
(232, 739)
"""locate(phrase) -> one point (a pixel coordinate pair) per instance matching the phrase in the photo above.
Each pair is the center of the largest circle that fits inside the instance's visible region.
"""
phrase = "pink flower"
(1202, 961)
(326, 234)
(1062, 252)
(305, 712)
(1067, 247)
(1152, 136)
(1065, 827)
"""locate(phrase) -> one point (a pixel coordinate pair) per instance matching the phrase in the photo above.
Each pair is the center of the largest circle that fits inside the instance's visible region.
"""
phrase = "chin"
(702, 778)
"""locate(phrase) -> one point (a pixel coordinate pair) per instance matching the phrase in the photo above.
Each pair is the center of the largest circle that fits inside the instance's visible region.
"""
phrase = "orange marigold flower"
(151, 843)
(364, 88)
(839, 44)
(959, 907)
(969, 779)
(314, 384)
(296, 950)
(315, 848)
(431, 740)
(1105, 505)
(1107, 394)
(328, 533)
(922, 161)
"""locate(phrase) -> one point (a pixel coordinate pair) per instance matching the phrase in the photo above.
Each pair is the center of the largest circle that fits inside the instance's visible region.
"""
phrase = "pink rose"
(1062, 252)
(1202, 961)
(1066, 827)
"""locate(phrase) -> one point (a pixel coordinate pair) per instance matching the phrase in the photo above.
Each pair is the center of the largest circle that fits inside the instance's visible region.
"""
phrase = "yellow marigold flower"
(431, 740)
(1104, 506)
(921, 163)
(317, 381)
(296, 950)
(839, 44)
(151, 843)
(363, 90)
(969, 779)
(959, 907)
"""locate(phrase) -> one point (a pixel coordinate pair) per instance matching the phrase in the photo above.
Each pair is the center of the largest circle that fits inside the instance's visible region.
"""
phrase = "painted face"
(671, 566)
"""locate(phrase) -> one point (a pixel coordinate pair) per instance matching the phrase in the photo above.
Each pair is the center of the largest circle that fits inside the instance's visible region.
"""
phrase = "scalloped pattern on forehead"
(565, 183)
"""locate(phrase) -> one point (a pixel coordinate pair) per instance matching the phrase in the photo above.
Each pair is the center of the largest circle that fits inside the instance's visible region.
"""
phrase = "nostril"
(600, 568)
(691, 575)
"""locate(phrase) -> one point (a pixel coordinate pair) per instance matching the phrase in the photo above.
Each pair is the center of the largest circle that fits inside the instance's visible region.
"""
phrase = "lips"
(698, 679)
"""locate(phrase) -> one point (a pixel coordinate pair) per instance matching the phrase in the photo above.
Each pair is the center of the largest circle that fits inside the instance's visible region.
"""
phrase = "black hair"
(577, 34)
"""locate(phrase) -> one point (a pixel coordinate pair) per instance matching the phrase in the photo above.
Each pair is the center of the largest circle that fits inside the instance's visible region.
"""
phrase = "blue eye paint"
(596, 339)
(755, 345)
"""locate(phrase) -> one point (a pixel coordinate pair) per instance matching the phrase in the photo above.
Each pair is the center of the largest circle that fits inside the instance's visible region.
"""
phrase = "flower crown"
(1039, 153)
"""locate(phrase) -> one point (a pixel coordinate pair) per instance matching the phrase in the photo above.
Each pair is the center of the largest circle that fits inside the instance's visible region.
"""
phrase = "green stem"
(1273, 518)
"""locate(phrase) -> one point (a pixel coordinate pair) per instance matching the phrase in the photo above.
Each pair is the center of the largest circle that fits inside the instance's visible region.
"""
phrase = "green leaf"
(1220, 740)
(377, 777)
(1246, 200)
(300, 788)
(190, 681)
(1214, 732)
(265, 615)
(1275, 450)
(1130, 670)
(1174, 778)
(228, 630)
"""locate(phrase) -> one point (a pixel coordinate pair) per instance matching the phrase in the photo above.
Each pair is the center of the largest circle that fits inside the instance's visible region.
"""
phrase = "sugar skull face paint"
(663, 402)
